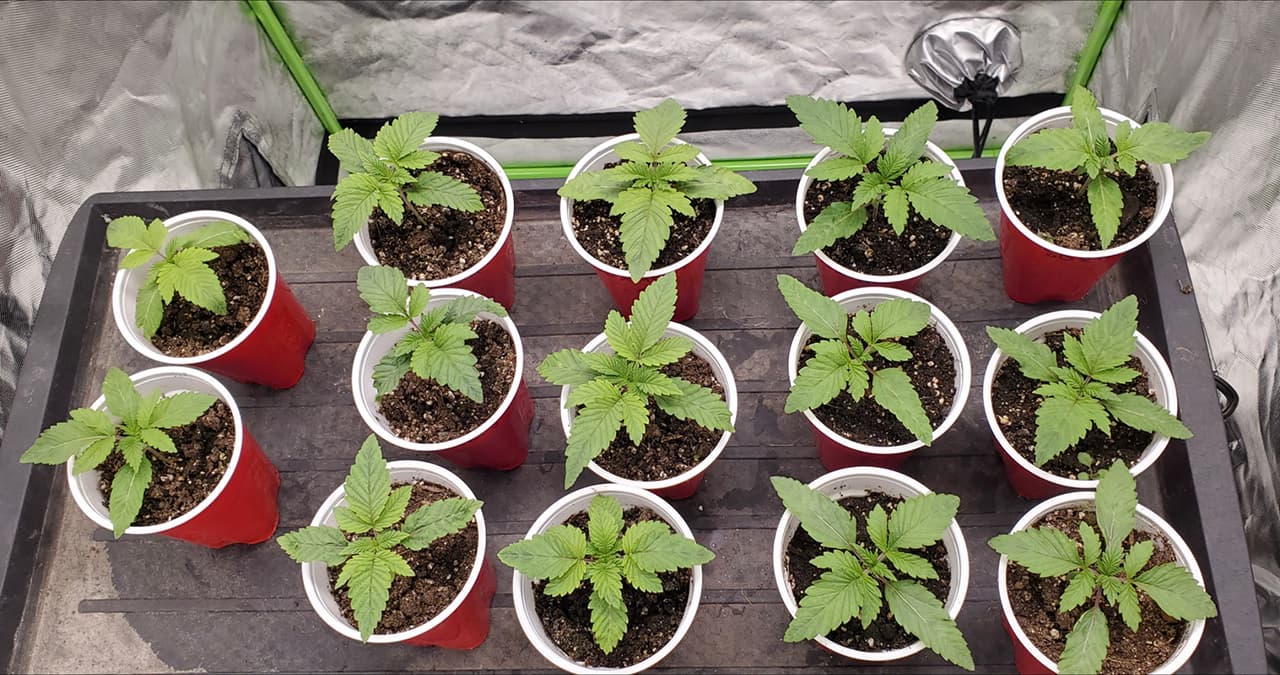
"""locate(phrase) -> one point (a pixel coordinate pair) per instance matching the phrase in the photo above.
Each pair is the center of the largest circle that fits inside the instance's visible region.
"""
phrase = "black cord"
(1230, 397)
(980, 91)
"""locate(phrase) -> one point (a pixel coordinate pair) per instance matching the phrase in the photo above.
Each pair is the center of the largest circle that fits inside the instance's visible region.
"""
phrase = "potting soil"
(190, 330)
(1055, 205)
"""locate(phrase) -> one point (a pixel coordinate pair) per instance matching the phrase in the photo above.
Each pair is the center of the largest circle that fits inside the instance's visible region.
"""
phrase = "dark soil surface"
(452, 240)
(932, 370)
(652, 618)
(424, 411)
(884, 633)
(179, 482)
(1015, 406)
(1035, 603)
(670, 445)
(876, 248)
(440, 570)
(189, 330)
(1055, 205)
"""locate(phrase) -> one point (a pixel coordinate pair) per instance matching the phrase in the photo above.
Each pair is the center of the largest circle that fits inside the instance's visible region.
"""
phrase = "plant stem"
(409, 206)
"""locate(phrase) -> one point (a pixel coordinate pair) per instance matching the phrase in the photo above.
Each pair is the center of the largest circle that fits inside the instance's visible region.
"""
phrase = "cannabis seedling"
(654, 180)
(379, 175)
(1085, 148)
(90, 436)
(615, 390)
(1077, 397)
(1111, 569)
(901, 180)
(606, 557)
(843, 362)
(366, 540)
(436, 347)
(182, 267)
(858, 578)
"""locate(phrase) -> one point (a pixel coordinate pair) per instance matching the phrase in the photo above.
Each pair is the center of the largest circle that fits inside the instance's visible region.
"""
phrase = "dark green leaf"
(1055, 149)
(1117, 504)
(128, 488)
(1177, 592)
(367, 487)
(821, 314)
(1062, 422)
(892, 390)
(547, 555)
(897, 318)
(821, 379)
(1044, 551)
(1034, 358)
(921, 520)
(659, 124)
(383, 288)
(402, 136)
(604, 524)
(431, 189)
(318, 543)
(828, 123)
(923, 615)
(947, 203)
(821, 517)
(1142, 413)
(700, 404)
(652, 311)
(907, 145)
(438, 519)
(353, 202)
(1087, 644)
(835, 222)
(61, 442)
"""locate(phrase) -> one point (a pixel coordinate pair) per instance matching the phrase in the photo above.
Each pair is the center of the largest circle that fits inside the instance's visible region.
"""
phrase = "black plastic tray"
(248, 611)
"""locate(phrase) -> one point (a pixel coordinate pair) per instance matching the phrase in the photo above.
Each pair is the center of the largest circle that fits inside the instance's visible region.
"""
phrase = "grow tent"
(186, 96)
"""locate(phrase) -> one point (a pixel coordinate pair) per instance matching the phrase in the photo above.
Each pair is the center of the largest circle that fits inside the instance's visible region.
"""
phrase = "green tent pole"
(266, 16)
(1108, 11)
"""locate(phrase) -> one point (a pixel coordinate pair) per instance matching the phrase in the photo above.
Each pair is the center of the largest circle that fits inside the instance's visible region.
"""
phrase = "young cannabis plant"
(90, 436)
(901, 180)
(606, 557)
(842, 361)
(378, 175)
(1086, 149)
(365, 541)
(1109, 569)
(182, 268)
(614, 390)
(653, 180)
(859, 577)
(436, 349)
(1077, 397)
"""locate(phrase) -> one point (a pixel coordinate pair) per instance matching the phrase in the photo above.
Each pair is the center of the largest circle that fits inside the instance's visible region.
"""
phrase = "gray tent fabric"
(1216, 66)
(156, 96)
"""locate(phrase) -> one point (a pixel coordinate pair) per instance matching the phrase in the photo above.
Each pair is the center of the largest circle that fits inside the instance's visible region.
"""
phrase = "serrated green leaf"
(147, 408)
(367, 487)
(438, 519)
(892, 351)
(548, 555)
(368, 578)
(1090, 542)
(181, 408)
(1054, 149)
(869, 145)
(384, 323)
(213, 235)
(130, 232)
(836, 168)
(1087, 644)
(921, 520)
(821, 379)
(639, 578)
(635, 416)
(1035, 360)
(1079, 589)
(158, 440)
(604, 525)
(1042, 550)
(1137, 557)
(655, 548)
(431, 189)
(945, 202)
(95, 454)
(388, 371)
(1111, 562)
(911, 564)
(1142, 413)
(897, 318)
(317, 543)
(1160, 143)
(568, 582)
(652, 311)
(1063, 422)
(594, 428)
(895, 208)
(1115, 376)
(128, 488)
(659, 124)
(383, 289)
(1105, 205)
(907, 145)
(835, 598)
(354, 152)
(393, 509)
(447, 359)
(631, 151)
(568, 368)
(1177, 592)
(465, 309)
(122, 398)
(712, 182)
(61, 442)
(646, 225)
(835, 222)
(353, 200)
(1122, 596)
(892, 390)
(150, 309)
(608, 612)
(925, 172)
(878, 528)
(824, 316)
(664, 351)
(403, 135)
(869, 189)
(420, 297)
(924, 616)
(1117, 504)
(593, 185)
(1087, 119)
(821, 517)
(828, 123)
(1108, 341)
(1074, 352)
(621, 337)
(678, 153)
(700, 404)
(188, 275)
(133, 450)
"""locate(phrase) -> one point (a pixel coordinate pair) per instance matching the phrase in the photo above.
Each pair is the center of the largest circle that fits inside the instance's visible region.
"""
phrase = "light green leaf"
(388, 372)
(620, 336)
(1142, 413)
(712, 182)
(1137, 557)
(646, 225)
(188, 275)
(385, 323)
(1078, 590)
(608, 612)
(438, 519)
(465, 309)
(630, 151)
(604, 525)
(821, 517)
(868, 146)
(61, 442)
(835, 222)
(836, 168)
(353, 202)
(158, 440)
(95, 420)
(393, 509)
(317, 543)
(1054, 149)
(678, 153)
(593, 185)
(635, 416)
(878, 528)
(828, 123)
(367, 487)
(1117, 504)
(95, 454)
(1177, 592)
(123, 399)
(911, 564)
(433, 188)
(133, 450)
(1105, 205)
(824, 316)
(907, 145)
(402, 136)
(1034, 359)
(947, 203)
(1044, 551)
(655, 548)
(921, 520)
(835, 598)
(892, 351)
(925, 172)
(1087, 644)
(130, 232)
(213, 235)
(568, 367)
(664, 351)
(659, 124)
(150, 309)
(568, 582)
(1125, 598)
(1108, 341)
(1062, 422)
(700, 404)
(354, 152)
(548, 555)
(383, 289)
(652, 311)
(127, 491)
(821, 379)
(640, 578)
(869, 189)
(368, 576)
(594, 428)
(895, 208)
(1090, 542)
(923, 615)
(447, 359)
(1087, 119)
(892, 389)
(897, 318)
(1160, 143)
(181, 408)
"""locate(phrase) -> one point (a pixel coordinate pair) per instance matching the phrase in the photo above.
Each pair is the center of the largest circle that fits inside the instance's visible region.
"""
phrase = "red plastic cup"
(838, 452)
(1027, 658)
(837, 278)
(1036, 270)
(270, 351)
(684, 485)
(689, 271)
(463, 624)
(1033, 482)
(494, 276)
(501, 442)
(242, 507)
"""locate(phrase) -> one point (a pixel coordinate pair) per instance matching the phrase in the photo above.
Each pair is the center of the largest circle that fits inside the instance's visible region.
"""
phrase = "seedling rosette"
(658, 179)
(1095, 147)
(1105, 571)
(858, 349)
